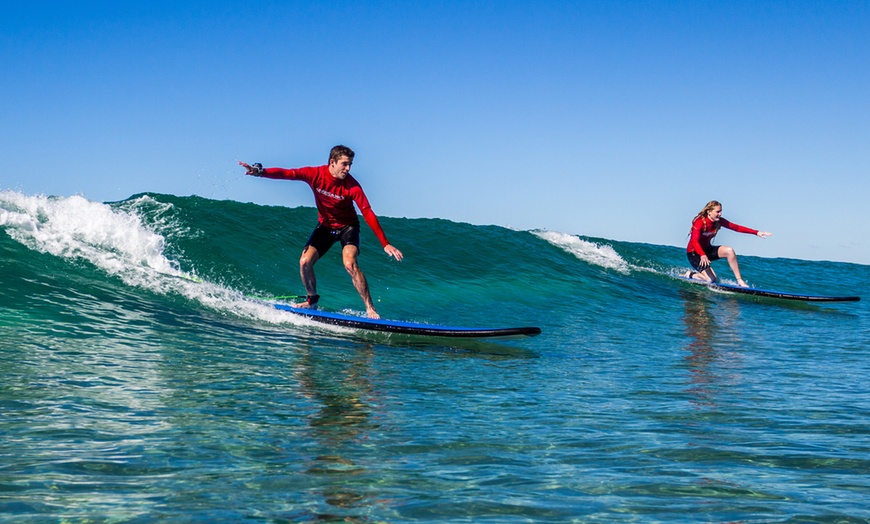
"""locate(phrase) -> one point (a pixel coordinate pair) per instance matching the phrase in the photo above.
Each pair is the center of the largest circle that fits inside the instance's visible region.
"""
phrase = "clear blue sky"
(606, 119)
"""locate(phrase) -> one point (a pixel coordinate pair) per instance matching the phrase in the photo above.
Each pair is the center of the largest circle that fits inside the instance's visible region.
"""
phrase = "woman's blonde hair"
(703, 213)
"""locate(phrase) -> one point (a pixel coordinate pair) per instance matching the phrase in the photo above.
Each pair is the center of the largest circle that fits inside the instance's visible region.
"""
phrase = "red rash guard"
(704, 230)
(334, 197)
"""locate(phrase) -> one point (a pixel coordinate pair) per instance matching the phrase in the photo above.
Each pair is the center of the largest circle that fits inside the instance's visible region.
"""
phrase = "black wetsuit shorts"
(322, 238)
(695, 259)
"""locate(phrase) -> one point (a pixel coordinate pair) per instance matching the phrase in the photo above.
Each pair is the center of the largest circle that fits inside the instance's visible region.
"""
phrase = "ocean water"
(132, 392)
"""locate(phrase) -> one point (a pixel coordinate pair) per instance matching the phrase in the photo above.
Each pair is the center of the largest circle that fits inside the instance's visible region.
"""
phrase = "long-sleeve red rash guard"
(704, 230)
(334, 198)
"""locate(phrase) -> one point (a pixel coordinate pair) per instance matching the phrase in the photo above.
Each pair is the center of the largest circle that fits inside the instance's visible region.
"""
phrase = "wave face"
(142, 380)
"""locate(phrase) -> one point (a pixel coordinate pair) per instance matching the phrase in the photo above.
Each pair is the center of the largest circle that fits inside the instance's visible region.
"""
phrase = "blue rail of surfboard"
(770, 293)
(404, 327)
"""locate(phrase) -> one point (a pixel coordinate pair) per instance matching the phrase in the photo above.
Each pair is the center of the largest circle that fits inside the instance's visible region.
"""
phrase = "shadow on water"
(340, 428)
(455, 346)
(704, 329)
(335, 374)
(459, 347)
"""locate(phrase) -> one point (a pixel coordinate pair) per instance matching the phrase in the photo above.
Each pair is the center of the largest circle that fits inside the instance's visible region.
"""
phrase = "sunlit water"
(141, 381)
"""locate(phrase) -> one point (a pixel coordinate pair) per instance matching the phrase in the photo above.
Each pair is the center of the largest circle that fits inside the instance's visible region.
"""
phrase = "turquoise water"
(131, 393)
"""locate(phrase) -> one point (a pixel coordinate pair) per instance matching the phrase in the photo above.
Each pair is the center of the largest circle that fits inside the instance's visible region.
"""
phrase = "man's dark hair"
(339, 151)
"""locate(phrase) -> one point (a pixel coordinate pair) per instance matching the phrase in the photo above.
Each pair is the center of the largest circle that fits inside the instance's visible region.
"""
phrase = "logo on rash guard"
(330, 195)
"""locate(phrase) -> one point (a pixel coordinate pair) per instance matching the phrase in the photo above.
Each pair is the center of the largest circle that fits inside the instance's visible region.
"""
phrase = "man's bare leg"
(349, 255)
(306, 270)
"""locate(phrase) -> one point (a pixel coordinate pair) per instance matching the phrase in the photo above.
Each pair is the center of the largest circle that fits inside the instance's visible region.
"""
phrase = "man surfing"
(335, 192)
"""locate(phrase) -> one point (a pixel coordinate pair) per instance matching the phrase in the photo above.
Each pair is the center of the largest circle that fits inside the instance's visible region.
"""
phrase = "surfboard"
(770, 293)
(407, 328)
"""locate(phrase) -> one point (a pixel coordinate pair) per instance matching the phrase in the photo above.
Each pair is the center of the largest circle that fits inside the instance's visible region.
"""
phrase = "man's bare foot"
(304, 305)
(371, 313)
(689, 275)
(742, 283)
(310, 303)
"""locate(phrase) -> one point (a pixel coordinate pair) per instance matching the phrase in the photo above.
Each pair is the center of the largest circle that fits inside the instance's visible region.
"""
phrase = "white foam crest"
(73, 227)
(117, 242)
(598, 254)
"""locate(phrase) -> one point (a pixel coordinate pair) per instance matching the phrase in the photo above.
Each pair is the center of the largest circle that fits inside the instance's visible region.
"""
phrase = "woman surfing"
(701, 252)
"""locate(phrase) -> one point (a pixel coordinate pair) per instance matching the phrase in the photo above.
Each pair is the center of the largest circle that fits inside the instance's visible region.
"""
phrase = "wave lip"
(596, 254)
(73, 227)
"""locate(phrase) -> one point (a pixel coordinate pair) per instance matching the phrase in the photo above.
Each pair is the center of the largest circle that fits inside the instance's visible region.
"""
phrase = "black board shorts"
(322, 238)
(695, 259)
